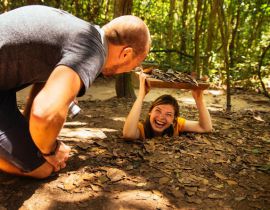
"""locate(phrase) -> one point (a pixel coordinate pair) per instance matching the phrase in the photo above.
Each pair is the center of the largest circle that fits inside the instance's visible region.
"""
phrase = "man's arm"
(33, 92)
(50, 107)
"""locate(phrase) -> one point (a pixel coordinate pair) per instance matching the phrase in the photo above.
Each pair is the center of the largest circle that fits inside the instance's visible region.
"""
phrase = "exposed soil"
(227, 169)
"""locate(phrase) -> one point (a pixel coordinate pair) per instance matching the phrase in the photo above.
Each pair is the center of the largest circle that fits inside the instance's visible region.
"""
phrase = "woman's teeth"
(159, 124)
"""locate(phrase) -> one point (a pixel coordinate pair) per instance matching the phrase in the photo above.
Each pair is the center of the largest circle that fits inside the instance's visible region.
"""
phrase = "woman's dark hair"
(163, 99)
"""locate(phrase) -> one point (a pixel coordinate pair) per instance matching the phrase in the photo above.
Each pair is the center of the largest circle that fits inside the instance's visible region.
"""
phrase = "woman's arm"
(130, 129)
(205, 123)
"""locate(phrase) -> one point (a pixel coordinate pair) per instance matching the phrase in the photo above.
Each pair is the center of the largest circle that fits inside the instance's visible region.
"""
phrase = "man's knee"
(7, 167)
(42, 172)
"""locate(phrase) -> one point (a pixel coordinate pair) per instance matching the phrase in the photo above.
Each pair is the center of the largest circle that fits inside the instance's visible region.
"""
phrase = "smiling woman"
(163, 116)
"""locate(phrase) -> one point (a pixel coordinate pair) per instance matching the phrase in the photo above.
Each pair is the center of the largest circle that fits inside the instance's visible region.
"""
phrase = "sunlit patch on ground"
(108, 130)
(187, 100)
(214, 108)
(141, 198)
(216, 92)
(110, 187)
(83, 133)
(75, 123)
(122, 119)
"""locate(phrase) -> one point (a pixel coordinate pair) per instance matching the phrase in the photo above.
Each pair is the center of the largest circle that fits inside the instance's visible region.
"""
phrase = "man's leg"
(18, 153)
(41, 172)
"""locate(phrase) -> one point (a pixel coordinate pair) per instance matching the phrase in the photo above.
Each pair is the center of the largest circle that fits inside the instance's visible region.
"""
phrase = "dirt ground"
(227, 169)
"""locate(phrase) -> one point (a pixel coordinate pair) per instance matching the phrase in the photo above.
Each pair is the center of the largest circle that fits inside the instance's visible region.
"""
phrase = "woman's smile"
(159, 123)
(161, 117)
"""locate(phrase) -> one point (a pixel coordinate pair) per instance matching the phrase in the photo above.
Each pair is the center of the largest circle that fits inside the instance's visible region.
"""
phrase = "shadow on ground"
(228, 169)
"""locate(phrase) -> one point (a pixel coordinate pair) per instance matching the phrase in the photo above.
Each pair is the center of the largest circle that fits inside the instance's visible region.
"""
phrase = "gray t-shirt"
(35, 39)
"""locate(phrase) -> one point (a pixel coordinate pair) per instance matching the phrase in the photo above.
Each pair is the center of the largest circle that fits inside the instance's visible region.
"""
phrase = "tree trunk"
(203, 33)
(170, 29)
(93, 10)
(183, 46)
(223, 26)
(31, 2)
(255, 30)
(122, 7)
(77, 8)
(107, 9)
(58, 3)
(123, 86)
(196, 67)
(234, 33)
(210, 37)
(265, 92)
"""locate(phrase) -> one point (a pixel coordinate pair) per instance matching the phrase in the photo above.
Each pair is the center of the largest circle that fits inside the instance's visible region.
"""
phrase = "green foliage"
(252, 32)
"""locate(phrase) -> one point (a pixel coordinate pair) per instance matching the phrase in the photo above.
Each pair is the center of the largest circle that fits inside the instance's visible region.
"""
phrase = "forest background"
(227, 40)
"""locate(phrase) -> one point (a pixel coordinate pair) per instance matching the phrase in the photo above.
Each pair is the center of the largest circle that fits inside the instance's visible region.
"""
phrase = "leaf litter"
(227, 169)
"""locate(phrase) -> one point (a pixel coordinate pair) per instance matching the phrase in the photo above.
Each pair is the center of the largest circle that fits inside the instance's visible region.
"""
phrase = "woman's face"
(161, 117)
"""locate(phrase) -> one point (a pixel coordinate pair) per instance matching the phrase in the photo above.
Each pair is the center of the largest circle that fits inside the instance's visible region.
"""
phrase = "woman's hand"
(197, 94)
(144, 87)
(205, 123)
(130, 130)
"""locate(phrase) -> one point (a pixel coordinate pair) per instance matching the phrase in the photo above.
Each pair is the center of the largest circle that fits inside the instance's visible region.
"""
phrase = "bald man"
(60, 55)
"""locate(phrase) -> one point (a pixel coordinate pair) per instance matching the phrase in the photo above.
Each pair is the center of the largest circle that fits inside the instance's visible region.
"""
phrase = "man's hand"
(58, 161)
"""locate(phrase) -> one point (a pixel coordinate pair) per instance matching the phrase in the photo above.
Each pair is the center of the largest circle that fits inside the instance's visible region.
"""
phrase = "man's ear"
(126, 54)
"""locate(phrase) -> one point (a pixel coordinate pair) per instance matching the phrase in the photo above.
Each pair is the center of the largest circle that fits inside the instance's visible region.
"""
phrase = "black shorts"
(16, 143)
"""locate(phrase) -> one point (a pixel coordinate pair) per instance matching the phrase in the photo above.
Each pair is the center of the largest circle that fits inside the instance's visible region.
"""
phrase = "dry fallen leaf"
(231, 182)
(258, 117)
(69, 186)
(199, 179)
(238, 159)
(88, 176)
(70, 182)
(115, 175)
(150, 146)
(215, 196)
(141, 184)
(158, 193)
(101, 143)
(220, 186)
(164, 180)
(83, 145)
(96, 188)
(129, 167)
(177, 193)
(240, 198)
(220, 176)
(192, 189)
(103, 179)
(193, 200)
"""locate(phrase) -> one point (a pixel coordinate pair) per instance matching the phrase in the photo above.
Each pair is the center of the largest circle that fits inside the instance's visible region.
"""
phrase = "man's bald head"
(130, 31)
